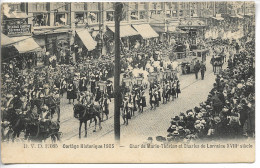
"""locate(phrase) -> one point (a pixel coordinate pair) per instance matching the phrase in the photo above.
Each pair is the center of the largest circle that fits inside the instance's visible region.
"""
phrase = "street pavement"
(150, 122)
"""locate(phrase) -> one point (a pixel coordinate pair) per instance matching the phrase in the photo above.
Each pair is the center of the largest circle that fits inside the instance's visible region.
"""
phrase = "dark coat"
(197, 67)
(71, 92)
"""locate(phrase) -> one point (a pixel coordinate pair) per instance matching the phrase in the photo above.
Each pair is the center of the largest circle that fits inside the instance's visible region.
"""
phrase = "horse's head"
(79, 110)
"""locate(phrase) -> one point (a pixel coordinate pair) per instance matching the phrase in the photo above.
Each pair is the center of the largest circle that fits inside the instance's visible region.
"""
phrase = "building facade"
(54, 25)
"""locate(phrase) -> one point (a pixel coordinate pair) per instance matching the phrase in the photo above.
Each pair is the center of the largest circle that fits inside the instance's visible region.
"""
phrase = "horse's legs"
(14, 135)
(123, 118)
(90, 121)
(18, 134)
(126, 120)
(99, 123)
(80, 123)
(53, 138)
(86, 131)
(107, 116)
(102, 115)
(131, 112)
(95, 124)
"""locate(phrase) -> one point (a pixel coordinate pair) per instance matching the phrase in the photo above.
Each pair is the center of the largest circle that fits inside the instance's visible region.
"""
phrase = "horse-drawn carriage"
(31, 123)
(201, 54)
(187, 65)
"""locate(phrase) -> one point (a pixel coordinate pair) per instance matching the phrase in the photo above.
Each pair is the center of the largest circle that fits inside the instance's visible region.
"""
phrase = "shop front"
(19, 46)
(161, 29)
(129, 36)
(55, 41)
(149, 36)
(86, 46)
(29, 52)
(195, 30)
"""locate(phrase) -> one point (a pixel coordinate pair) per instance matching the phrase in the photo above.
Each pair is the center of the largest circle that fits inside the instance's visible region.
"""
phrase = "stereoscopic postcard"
(128, 82)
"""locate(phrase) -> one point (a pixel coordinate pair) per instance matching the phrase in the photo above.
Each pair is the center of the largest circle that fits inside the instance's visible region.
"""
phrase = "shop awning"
(159, 28)
(249, 14)
(5, 40)
(236, 16)
(218, 18)
(86, 39)
(179, 31)
(18, 15)
(25, 44)
(145, 31)
(125, 30)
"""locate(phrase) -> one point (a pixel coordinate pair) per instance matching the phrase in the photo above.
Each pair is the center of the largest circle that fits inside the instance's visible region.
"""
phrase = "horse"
(84, 114)
(17, 123)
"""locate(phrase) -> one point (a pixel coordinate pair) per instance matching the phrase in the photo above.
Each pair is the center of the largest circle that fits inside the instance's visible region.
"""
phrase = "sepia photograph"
(128, 82)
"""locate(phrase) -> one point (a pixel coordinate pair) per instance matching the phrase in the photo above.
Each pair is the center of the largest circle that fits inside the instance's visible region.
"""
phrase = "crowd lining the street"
(229, 111)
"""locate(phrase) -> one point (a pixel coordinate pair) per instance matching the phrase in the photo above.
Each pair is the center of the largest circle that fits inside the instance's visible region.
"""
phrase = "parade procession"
(172, 71)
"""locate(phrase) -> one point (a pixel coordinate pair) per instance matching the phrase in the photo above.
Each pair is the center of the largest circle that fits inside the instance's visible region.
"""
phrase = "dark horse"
(85, 113)
(17, 123)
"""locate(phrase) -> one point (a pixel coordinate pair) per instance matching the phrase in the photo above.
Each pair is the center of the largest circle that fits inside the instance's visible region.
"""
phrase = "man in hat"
(109, 88)
(196, 69)
(106, 105)
(216, 103)
(202, 70)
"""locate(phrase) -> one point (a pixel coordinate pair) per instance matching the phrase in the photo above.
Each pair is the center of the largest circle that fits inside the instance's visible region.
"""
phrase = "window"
(168, 13)
(152, 13)
(174, 5)
(181, 13)
(110, 16)
(41, 7)
(15, 6)
(134, 15)
(153, 5)
(159, 6)
(40, 19)
(192, 12)
(174, 13)
(79, 18)
(60, 19)
(132, 5)
(142, 15)
(93, 17)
